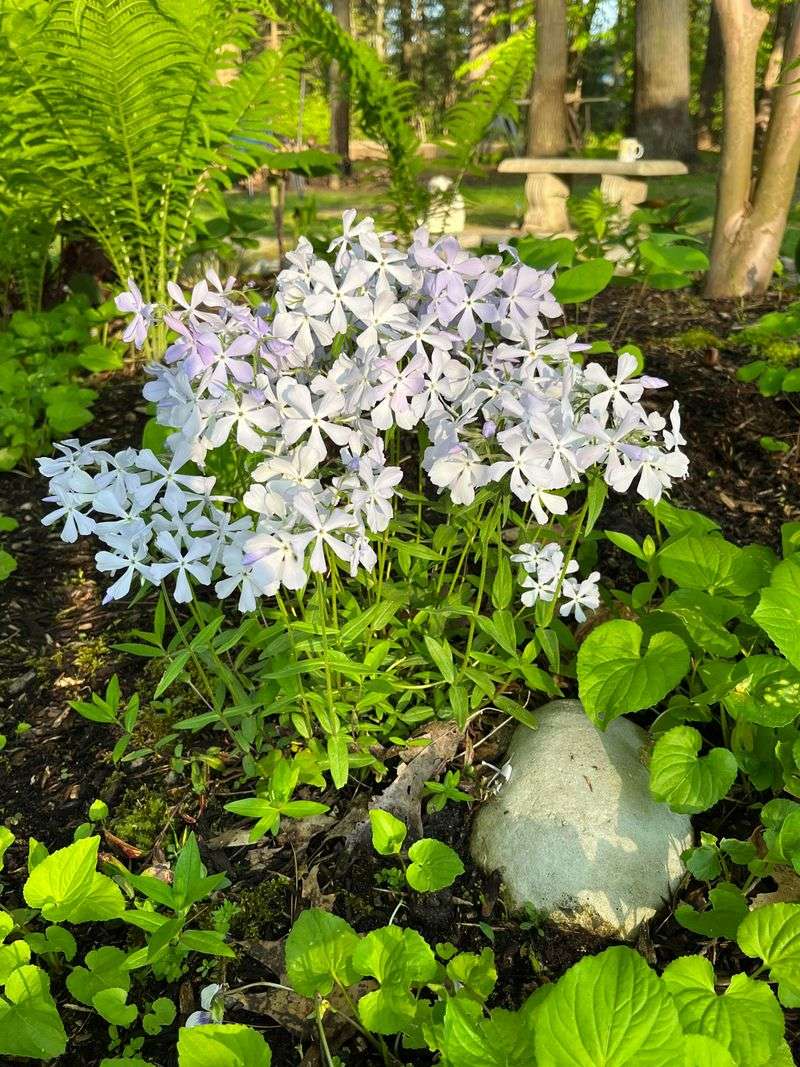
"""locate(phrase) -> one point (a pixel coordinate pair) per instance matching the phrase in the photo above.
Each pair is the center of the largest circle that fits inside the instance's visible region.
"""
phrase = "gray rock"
(575, 832)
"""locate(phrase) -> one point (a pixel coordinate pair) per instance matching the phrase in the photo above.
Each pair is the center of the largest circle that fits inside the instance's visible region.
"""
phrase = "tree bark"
(662, 80)
(548, 131)
(748, 228)
(339, 101)
(480, 34)
(406, 21)
(710, 84)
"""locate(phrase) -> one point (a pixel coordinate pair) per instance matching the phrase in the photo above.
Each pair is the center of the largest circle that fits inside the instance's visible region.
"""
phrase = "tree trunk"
(661, 92)
(406, 38)
(784, 17)
(748, 229)
(380, 28)
(710, 83)
(339, 102)
(480, 34)
(548, 132)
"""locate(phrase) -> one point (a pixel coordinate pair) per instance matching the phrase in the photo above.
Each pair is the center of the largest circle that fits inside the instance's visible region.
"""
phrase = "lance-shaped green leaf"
(388, 832)
(690, 783)
(747, 1020)
(615, 676)
(608, 1010)
(772, 933)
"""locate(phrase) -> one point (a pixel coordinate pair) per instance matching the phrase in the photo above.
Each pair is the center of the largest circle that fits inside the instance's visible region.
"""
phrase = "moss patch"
(140, 816)
(263, 909)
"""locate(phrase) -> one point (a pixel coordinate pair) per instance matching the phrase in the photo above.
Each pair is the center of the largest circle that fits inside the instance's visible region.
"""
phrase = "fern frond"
(490, 97)
(116, 109)
(384, 105)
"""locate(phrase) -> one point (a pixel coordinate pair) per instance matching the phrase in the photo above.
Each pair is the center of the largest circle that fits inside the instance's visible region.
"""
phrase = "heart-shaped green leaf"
(113, 1005)
(30, 1025)
(766, 691)
(722, 918)
(223, 1045)
(434, 865)
(687, 782)
(615, 677)
(772, 933)
(747, 1020)
(319, 952)
(776, 612)
(609, 1010)
(400, 960)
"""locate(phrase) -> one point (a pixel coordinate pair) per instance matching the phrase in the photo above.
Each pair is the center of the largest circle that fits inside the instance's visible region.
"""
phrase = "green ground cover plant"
(45, 359)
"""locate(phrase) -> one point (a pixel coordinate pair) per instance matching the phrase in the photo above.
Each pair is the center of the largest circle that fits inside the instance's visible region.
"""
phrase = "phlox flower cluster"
(548, 576)
(307, 393)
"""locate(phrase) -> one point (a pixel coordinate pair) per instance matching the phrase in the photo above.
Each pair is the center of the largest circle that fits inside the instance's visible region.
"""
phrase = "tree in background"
(710, 84)
(750, 220)
(338, 95)
(782, 19)
(548, 133)
(662, 79)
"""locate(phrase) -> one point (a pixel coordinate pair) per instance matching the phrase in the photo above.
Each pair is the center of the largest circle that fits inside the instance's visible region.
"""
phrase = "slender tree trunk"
(406, 38)
(380, 28)
(548, 131)
(480, 34)
(710, 83)
(661, 93)
(339, 101)
(784, 17)
(749, 227)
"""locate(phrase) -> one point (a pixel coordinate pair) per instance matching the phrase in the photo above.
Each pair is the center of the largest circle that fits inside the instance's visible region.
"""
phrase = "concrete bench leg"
(547, 205)
(624, 192)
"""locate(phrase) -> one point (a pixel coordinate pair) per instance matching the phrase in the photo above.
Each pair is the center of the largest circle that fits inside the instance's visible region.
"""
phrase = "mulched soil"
(55, 763)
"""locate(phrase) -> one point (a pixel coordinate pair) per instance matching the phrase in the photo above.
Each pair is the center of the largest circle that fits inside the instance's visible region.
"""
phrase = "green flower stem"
(323, 1040)
(210, 703)
(476, 609)
(326, 652)
(290, 631)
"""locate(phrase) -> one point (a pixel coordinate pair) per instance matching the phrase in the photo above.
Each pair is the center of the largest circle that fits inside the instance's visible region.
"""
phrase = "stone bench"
(622, 182)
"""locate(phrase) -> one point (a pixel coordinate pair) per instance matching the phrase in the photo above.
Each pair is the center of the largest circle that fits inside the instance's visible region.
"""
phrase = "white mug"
(630, 149)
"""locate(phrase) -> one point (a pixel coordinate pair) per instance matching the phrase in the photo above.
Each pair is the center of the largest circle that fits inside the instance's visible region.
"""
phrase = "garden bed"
(56, 641)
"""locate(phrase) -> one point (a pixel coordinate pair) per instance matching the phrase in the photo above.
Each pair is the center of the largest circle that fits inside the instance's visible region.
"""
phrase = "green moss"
(694, 340)
(91, 656)
(140, 816)
(262, 910)
(779, 351)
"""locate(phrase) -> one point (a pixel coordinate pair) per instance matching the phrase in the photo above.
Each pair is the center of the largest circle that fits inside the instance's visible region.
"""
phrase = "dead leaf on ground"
(403, 797)
(788, 891)
(298, 832)
(269, 954)
(312, 894)
(131, 852)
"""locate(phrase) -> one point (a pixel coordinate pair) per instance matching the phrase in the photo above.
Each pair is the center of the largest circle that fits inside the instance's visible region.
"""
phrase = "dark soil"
(55, 763)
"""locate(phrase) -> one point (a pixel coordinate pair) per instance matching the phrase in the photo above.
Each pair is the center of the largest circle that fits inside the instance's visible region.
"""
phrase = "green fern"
(488, 98)
(384, 105)
(117, 110)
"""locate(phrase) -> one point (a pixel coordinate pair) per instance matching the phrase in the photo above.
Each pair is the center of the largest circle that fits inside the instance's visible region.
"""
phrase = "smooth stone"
(575, 833)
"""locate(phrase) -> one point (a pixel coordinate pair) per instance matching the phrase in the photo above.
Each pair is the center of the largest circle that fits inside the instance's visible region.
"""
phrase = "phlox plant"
(355, 464)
